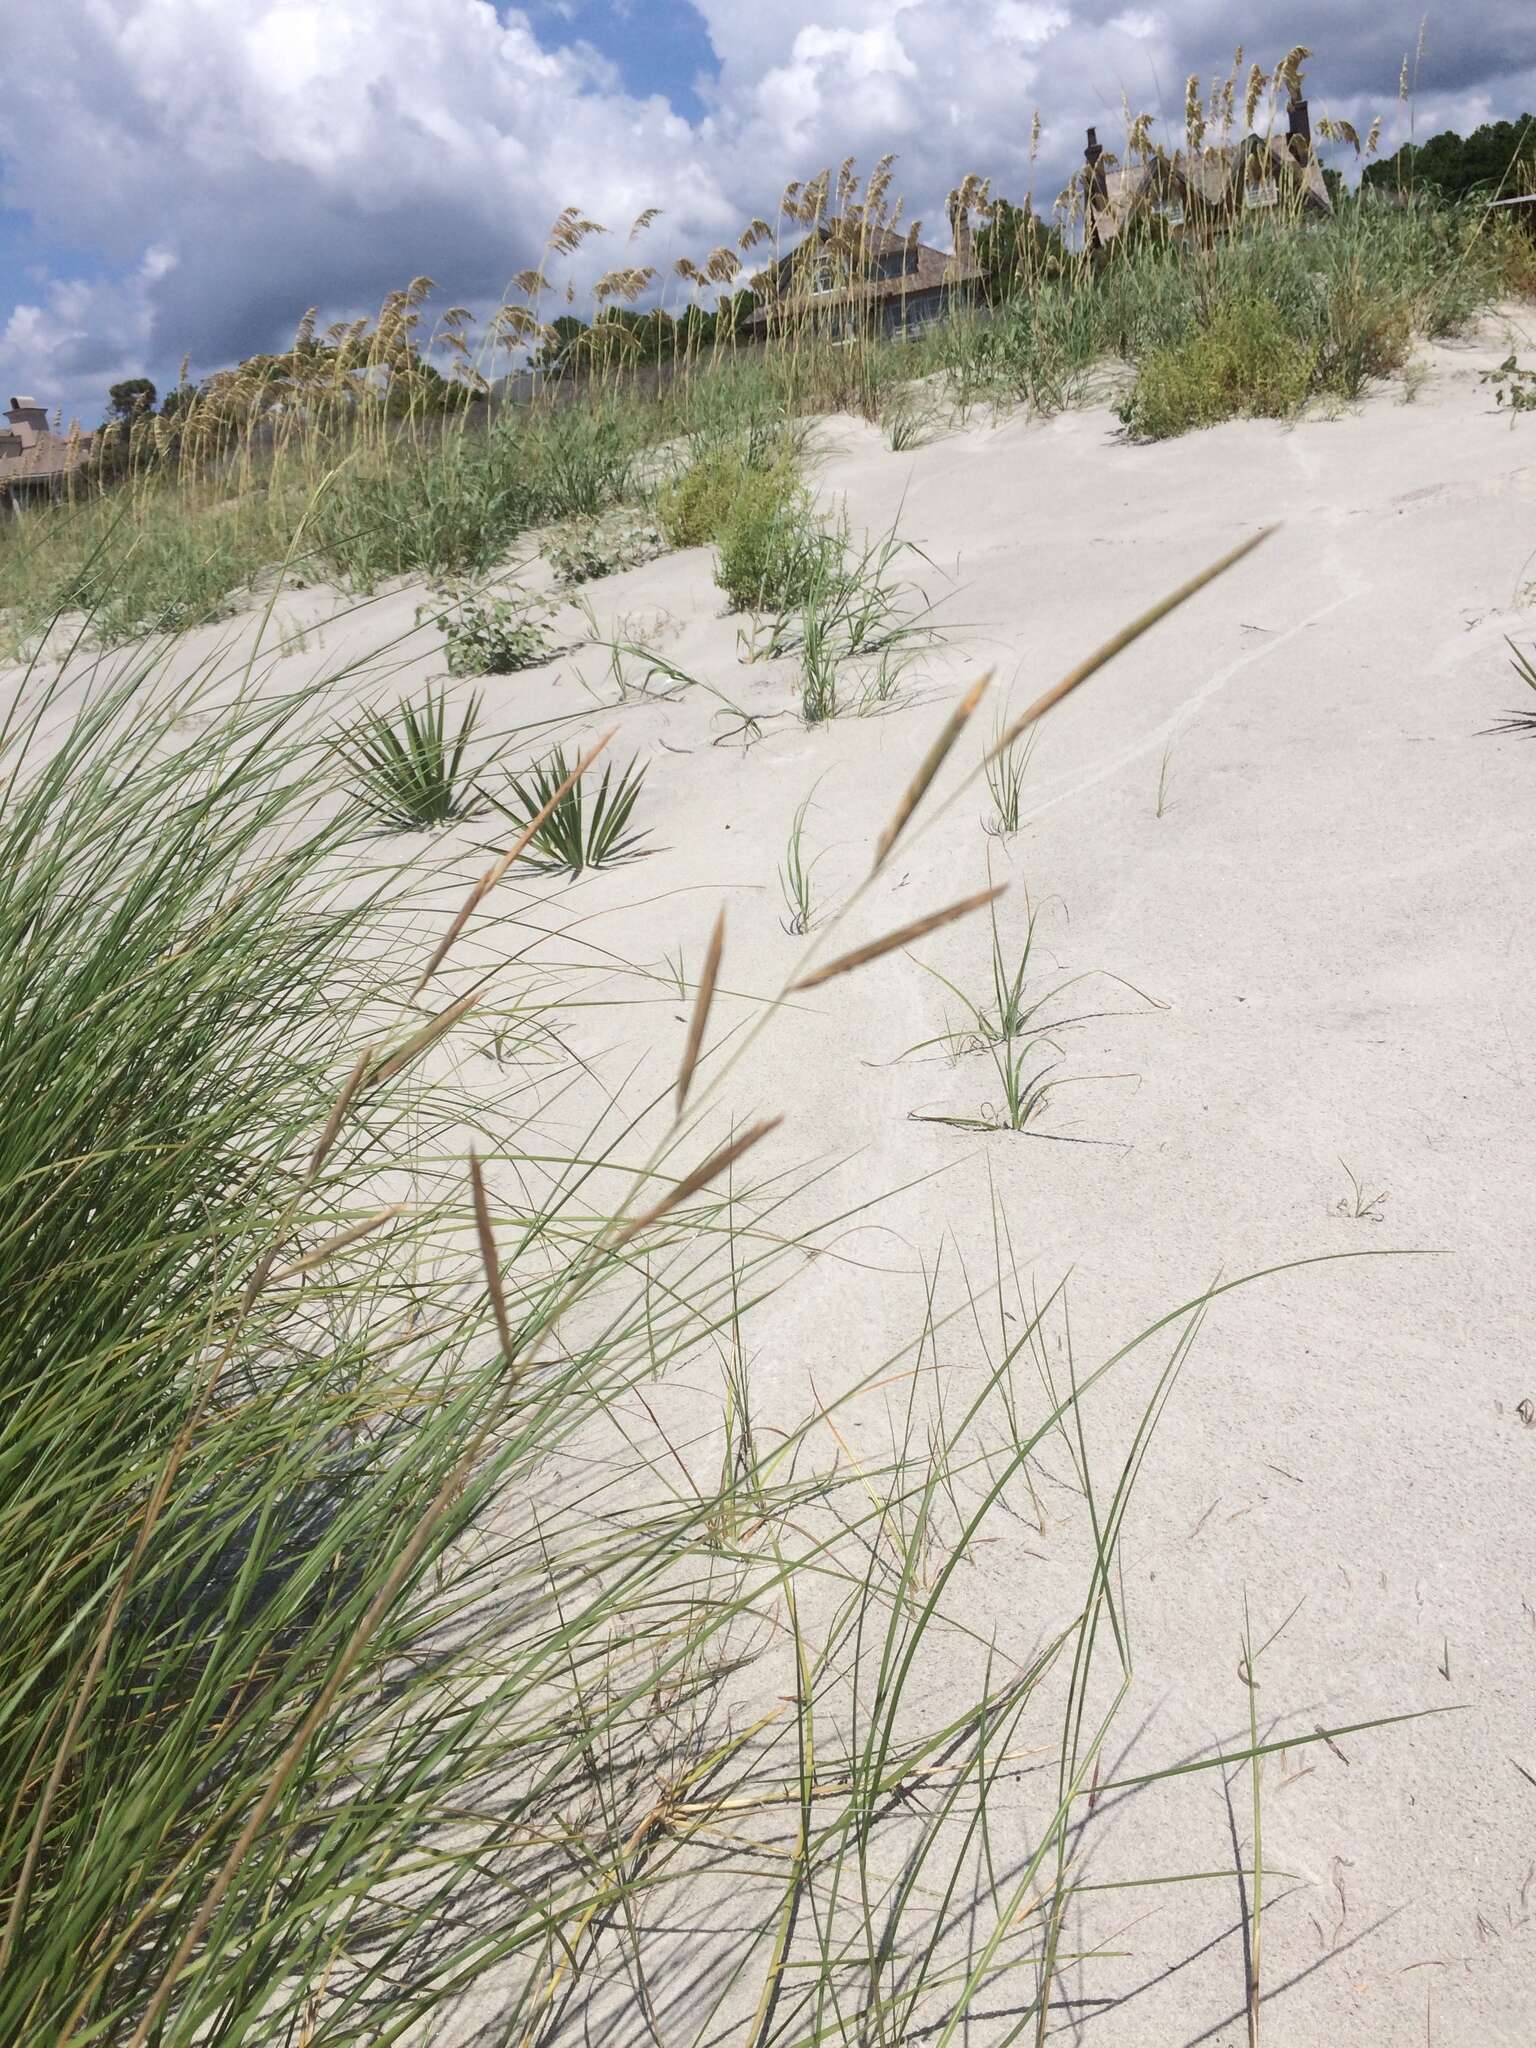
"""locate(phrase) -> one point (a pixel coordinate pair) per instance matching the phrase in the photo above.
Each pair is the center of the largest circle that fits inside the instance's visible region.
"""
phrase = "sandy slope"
(1335, 910)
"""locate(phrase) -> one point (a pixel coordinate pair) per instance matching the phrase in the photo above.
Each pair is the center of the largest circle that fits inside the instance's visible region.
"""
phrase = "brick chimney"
(26, 412)
(1098, 177)
(1299, 122)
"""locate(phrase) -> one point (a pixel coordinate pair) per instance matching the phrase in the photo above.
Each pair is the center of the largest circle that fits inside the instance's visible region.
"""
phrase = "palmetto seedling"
(586, 828)
(408, 766)
(1523, 720)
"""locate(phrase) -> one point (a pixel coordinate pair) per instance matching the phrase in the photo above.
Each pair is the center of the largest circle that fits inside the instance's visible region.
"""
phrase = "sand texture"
(1316, 959)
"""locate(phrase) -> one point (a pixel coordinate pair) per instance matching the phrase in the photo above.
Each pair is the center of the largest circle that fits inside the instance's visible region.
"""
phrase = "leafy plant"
(1513, 385)
(408, 766)
(593, 548)
(586, 828)
(495, 636)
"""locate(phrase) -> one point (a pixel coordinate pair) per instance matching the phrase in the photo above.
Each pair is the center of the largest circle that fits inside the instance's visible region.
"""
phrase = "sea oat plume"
(1257, 81)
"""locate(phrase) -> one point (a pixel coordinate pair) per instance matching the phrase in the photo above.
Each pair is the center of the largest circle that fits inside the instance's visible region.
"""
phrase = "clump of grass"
(911, 418)
(495, 636)
(408, 768)
(795, 877)
(841, 605)
(1006, 768)
(1243, 363)
(585, 829)
(449, 506)
(360, 1638)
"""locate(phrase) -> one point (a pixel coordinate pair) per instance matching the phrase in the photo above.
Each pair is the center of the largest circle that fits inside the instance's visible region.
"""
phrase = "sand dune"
(1276, 841)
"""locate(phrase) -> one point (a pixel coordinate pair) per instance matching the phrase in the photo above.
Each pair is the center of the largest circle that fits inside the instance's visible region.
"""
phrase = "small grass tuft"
(795, 877)
(1006, 768)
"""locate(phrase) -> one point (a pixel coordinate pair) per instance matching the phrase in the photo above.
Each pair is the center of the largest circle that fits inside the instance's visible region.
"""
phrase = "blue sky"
(659, 46)
(188, 176)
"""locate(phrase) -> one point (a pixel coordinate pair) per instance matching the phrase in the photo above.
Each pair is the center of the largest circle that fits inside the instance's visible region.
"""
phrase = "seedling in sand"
(408, 767)
(1165, 782)
(1523, 721)
(1006, 768)
(1357, 1205)
(795, 877)
(1513, 386)
(584, 829)
(1011, 1013)
(1026, 1088)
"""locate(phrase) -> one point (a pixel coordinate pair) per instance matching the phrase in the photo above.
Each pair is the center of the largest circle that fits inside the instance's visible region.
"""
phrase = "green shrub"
(772, 554)
(692, 508)
(495, 636)
(1243, 364)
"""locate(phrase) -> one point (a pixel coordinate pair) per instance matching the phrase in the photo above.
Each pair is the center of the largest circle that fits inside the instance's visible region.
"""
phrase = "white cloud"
(234, 161)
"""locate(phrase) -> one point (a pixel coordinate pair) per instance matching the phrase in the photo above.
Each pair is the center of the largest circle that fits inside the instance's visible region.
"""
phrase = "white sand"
(1337, 912)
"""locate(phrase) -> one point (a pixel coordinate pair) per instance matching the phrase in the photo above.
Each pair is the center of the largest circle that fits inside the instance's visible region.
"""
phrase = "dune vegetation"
(404, 1588)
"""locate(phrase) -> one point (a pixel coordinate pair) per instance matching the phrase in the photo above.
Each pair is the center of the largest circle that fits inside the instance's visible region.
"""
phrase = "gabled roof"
(1225, 176)
(930, 269)
(30, 457)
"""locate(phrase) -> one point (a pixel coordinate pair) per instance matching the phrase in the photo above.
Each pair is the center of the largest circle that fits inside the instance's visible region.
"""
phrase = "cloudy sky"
(187, 176)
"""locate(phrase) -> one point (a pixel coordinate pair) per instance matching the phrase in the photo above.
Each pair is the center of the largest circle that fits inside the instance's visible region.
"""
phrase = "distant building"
(1208, 191)
(34, 462)
(845, 278)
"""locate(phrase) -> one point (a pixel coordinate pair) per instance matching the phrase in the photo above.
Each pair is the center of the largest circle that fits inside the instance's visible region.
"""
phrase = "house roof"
(931, 269)
(32, 455)
(1223, 175)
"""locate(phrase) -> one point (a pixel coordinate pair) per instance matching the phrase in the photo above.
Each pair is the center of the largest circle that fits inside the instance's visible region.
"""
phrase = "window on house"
(823, 277)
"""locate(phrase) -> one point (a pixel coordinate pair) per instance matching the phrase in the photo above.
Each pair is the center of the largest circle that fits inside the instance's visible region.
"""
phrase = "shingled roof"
(1219, 182)
(923, 269)
(31, 457)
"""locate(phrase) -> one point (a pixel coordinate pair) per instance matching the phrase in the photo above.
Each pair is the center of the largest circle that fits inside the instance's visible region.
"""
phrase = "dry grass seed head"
(701, 1007)
(904, 935)
(930, 765)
